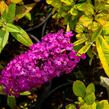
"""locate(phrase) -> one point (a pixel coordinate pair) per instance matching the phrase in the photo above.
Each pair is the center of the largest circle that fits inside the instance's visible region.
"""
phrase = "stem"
(33, 37)
(37, 26)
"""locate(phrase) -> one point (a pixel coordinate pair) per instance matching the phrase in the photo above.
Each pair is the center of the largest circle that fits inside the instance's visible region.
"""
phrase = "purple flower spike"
(49, 58)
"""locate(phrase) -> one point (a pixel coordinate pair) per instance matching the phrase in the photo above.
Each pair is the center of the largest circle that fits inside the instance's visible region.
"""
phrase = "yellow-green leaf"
(80, 41)
(3, 38)
(79, 88)
(11, 101)
(90, 88)
(16, 1)
(102, 18)
(11, 28)
(28, 16)
(84, 49)
(85, 20)
(9, 15)
(26, 93)
(3, 6)
(106, 29)
(49, 1)
(86, 7)
(90, 98)
(73, 11)
(55, 3)
(23, 10)
(67, 2)
(96, 34)
(70, 106)
(85, 106)
(103, 104)
(22, 37)
(103, 53)
(94, 26)
(106, 37)
(79, 28)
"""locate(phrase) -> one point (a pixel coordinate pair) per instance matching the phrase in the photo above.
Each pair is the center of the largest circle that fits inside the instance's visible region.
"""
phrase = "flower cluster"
(49, 58)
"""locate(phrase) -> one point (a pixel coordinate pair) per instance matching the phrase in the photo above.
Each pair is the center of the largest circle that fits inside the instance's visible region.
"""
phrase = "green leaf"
(85, 106)
(73, 22)
(77, 48)
(80, 41)
(10, 15)
(94, 26)
(103, 104)
(103, 53)
(3, 6)
(96, 34)
(70, 106)
(106, 28)
(79, 28)
(90, 98)
(16, 1)
(105, 31)
(28, 16)
(11, 101)
(25, 93)
(22, 37)
(107, 38)
(81, 100)
(79, 88)
(67, 2)
(84, 49)
(90, 88)
(49, 1)
(3, 39)
(85, 21)
(73, 11)
(86, 7)
(90, 53)
(23, 10)
(57, 4)
(11, 28)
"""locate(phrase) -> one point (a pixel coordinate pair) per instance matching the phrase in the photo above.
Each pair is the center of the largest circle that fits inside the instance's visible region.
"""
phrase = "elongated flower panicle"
(49, 58)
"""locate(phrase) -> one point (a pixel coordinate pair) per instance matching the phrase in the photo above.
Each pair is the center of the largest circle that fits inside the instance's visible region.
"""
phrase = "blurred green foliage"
(86, 97)
(9, 14)
(90, 20)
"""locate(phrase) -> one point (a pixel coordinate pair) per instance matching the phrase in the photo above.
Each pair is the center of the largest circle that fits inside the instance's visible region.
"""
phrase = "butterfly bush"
(52, 56)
